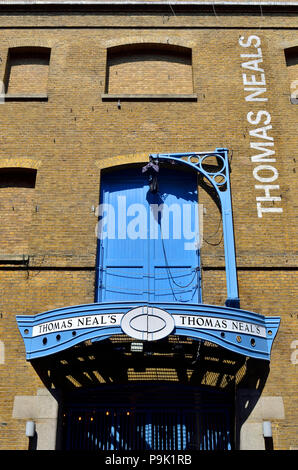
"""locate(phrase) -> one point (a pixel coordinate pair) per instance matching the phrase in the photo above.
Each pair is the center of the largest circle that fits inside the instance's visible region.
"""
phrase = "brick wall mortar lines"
(75, 128)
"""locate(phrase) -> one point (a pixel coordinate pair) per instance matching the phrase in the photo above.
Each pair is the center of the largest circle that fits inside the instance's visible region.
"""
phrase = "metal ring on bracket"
(219, 183)
(194, 156)
(212, 155)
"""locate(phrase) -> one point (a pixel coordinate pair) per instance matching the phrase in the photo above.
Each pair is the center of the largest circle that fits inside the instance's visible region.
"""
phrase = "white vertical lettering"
(257, 91)
(261, 209)
(267, 188)
(253, 81)
(268, 179)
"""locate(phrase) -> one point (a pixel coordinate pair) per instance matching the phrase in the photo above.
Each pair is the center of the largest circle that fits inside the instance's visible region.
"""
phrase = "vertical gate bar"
(143, 432)
(188, 426)
(174, 428)
(83, 433)
(219, 424)
(119, 430)
(76, 430)
(124, 431)
(180, 447)
(205, 445)
(112, 431)
(71, 434)
(209, 424)
(87, 431)
(116, 444)
(132, 430)
(86, 427)
(95, 431)
(164, 432)
(184, 432)
(207, 432)
(68, 430)
(168, 430)
(229, 447)
(92, 440)
(80, 432)
(223, 431)
(102, 428)
(210, 419)
(98, 433)
(137, 430)
(156, 432)
(67, 436)
(116, 421)
(81, 438)
(214, 430)
(106, 422)
(172, 431)
(78, 427)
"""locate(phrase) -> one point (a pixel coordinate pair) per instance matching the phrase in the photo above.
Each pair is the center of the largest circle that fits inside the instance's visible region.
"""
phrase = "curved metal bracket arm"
(219, 178)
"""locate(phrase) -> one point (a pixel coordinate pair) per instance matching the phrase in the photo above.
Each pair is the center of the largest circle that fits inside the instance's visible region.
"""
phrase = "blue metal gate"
(125, 428)
(145, 240)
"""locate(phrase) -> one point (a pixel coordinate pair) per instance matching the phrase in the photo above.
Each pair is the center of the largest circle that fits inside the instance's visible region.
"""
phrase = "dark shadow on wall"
(249, 391)
(32, 445)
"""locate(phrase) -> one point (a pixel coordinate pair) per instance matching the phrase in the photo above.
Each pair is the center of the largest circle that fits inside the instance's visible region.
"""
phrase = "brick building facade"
(92, 86)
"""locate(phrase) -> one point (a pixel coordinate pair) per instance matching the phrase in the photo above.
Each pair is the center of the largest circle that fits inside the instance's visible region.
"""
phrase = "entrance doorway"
(149, 418)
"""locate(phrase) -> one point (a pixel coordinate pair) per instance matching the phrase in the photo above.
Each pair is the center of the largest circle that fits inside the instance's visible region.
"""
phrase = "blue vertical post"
(229, 241)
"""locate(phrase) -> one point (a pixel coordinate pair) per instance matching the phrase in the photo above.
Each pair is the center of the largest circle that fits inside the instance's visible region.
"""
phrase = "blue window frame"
(146, 248)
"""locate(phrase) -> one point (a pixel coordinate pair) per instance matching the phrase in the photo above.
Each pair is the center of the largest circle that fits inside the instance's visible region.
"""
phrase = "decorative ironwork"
(219, 177)
(240, 331)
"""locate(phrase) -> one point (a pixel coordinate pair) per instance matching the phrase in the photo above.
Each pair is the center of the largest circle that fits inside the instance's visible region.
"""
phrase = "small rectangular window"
(17, 177)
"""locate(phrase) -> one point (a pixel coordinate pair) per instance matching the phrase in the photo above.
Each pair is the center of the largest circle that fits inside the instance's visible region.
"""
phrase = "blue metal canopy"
(241, 331)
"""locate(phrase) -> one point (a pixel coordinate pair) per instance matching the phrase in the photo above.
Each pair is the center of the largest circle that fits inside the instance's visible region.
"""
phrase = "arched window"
(149, 69)
(291, 55)
(27, 72)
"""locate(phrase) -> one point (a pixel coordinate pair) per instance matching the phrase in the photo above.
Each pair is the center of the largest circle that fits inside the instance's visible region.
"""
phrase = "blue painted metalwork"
(241, 331)
(56, 330)
(151, 263)
(220, 180)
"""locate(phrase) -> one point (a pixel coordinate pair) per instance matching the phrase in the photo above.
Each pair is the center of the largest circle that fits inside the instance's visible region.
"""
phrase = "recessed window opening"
(17, 177)
(149, 69)
(291, 56)
(27, 71)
